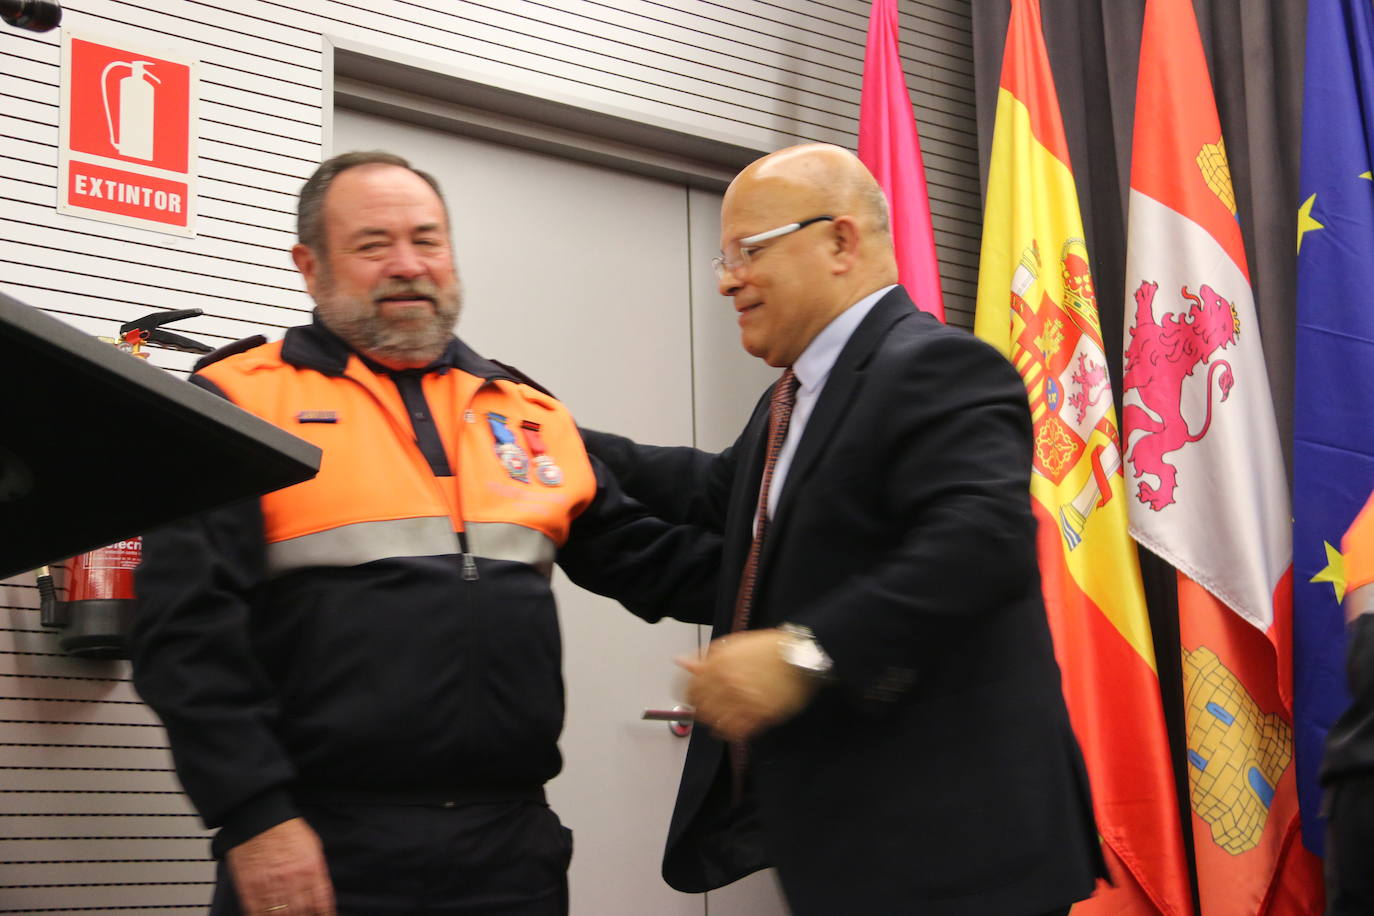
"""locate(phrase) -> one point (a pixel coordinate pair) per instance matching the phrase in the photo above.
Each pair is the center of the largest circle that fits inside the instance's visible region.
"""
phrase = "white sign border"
(64, 154)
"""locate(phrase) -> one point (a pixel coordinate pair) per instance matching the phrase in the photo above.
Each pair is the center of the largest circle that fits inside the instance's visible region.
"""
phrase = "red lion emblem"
(1159, 358)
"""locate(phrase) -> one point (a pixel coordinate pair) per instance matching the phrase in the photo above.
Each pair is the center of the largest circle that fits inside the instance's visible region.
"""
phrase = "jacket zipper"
(469, 562)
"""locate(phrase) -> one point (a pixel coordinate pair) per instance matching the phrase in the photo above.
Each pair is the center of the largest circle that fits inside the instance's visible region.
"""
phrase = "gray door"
(597, 283)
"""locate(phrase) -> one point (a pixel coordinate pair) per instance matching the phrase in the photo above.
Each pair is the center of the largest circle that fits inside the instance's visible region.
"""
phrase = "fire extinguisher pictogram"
(98, 610)
(136, 101)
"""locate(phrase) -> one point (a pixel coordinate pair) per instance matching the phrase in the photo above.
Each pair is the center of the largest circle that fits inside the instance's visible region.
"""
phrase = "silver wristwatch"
(800, 650)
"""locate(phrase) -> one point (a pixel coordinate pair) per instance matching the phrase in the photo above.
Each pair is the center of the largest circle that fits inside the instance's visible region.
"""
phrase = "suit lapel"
(844, 383)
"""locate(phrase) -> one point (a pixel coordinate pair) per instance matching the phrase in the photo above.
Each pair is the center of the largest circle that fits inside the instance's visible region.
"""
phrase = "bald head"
(818, 176)
(789, 287)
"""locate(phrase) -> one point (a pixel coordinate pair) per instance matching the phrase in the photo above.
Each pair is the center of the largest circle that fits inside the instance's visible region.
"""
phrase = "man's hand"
(281, 872)
(742, 686)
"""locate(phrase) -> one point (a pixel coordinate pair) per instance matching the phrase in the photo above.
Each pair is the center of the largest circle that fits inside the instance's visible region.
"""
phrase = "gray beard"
(369, 332)
(372, 335)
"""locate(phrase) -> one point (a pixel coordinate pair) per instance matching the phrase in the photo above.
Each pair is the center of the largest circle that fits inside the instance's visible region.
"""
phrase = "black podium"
(96, 446)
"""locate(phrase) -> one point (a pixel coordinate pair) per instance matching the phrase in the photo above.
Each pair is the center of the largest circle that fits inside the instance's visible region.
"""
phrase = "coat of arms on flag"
(1056, 345)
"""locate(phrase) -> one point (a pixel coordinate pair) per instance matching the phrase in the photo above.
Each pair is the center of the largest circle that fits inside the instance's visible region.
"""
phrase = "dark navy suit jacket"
(938, 774)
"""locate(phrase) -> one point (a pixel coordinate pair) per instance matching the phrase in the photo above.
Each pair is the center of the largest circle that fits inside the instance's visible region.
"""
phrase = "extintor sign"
(128, 135)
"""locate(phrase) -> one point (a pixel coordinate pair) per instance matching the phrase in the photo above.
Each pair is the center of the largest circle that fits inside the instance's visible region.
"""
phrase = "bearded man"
(360, 674)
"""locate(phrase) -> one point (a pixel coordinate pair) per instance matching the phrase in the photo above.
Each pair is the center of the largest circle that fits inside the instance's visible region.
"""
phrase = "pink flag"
(888, 145)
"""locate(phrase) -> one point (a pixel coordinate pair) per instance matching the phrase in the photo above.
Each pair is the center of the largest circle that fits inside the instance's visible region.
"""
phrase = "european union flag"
(1333, 455)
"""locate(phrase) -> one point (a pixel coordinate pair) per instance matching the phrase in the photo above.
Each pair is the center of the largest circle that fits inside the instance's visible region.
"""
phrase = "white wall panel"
(114, 714)
(253, 142)
(226, 206)
(37, 73)
(98, 826)
(56, 780)
(32, 47)
(19, 103)
(277, 88)
(103, 897)
(85, 780)
(34, 173)
(258, 195)
(211, 27)
(280, 187)
(98, 801)
(215, 240)
(266, 114)
(247, 301)
(264, 162)
(84, 757)
(107, 849)
(106, 872)
(204, 263)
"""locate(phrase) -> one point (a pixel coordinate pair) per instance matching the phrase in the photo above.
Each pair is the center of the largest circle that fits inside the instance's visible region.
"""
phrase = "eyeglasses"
(739, 252)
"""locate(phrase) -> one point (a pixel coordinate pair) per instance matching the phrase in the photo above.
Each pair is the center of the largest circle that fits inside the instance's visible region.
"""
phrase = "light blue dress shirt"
(813, 368)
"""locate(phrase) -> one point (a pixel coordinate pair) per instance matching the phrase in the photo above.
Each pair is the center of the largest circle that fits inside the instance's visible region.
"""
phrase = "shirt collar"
(816, 361)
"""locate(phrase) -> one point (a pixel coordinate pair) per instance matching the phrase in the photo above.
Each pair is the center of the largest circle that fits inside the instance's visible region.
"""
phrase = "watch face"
(806, 654)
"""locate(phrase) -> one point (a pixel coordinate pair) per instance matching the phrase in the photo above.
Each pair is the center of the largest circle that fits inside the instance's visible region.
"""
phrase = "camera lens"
(34, 15)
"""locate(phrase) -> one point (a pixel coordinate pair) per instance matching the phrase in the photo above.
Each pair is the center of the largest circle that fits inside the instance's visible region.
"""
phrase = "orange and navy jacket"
(1350, 743)
(388, 627)
(1358, 549)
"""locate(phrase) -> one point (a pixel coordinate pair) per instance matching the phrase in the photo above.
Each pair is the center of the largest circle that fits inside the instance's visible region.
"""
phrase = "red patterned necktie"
(779, 417)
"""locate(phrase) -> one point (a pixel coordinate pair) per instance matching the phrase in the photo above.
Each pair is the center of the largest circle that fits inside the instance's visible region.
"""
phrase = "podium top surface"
(97, 446)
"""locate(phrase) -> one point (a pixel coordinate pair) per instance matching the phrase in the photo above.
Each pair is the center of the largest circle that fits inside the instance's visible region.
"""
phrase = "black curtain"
(1255, 52)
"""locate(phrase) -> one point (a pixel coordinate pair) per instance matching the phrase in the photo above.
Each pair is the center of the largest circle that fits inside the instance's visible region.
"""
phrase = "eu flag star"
(1334, 571)
(1305, 221)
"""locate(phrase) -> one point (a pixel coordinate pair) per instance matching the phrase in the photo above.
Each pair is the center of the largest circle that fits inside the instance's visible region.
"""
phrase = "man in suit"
(881, 709)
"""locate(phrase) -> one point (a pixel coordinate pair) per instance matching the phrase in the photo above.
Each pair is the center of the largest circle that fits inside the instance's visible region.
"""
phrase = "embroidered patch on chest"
(317, 416)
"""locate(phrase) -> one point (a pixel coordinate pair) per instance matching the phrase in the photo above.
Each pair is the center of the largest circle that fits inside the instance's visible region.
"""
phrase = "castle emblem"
(1236, 753)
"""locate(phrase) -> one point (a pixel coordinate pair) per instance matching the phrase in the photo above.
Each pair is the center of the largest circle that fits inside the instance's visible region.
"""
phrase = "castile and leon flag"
(1207, 487)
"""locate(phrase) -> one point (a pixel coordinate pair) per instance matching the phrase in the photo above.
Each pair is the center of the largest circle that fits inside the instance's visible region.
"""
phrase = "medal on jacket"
(511, 455)
(546, 470)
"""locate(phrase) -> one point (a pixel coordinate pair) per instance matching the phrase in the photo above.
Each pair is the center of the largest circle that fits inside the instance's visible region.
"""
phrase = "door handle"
(679, 719)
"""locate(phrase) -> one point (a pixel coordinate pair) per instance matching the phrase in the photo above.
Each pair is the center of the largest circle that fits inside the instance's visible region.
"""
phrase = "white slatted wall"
(91, 819)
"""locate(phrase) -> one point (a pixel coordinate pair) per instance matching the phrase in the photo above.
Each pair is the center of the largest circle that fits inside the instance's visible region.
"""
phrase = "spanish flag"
(1037, 304)
(1210, 492)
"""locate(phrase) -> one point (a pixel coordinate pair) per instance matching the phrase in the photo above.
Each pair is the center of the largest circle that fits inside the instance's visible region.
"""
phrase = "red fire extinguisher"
(99, 606)
(100, 600)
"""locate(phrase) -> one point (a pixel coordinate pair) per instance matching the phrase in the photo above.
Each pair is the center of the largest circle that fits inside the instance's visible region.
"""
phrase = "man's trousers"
(506, 858)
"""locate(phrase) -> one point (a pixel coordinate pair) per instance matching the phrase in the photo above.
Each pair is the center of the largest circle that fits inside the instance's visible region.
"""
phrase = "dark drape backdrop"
(1255, 50)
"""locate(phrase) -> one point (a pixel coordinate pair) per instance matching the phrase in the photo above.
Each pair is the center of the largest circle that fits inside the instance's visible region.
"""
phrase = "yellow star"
(1334, 571)
(1369, 175)
(1305, 221)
